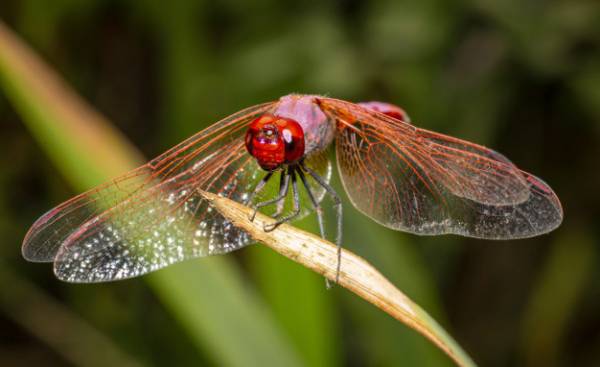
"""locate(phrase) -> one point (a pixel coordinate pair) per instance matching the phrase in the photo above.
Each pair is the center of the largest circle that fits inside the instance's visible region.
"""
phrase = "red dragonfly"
(401, 176)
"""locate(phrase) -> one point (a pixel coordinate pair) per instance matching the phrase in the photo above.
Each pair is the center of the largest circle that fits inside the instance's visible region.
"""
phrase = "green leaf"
(553, 303)
(389, 343)
(194, 81)
(300, 303)
(88, 150)
(355, 274)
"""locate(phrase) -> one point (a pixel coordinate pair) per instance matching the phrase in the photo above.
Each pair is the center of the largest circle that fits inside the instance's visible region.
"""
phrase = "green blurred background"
(522, 77)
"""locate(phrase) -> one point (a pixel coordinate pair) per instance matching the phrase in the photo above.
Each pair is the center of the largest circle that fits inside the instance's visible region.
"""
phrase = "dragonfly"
(274, 157)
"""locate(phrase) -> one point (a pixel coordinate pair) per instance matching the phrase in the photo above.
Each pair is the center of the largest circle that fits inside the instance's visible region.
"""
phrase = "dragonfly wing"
(48, 233)
(157, 227)
(540, 213)
(422, 182)
(152, 216)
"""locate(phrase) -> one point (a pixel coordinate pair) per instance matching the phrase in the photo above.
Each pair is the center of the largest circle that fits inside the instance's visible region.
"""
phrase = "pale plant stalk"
(69, 128)
(356, 274)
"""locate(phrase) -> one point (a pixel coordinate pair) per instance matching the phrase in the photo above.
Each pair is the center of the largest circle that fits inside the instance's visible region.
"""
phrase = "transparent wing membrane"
(49, 232)
(418, 181)
(403, 177)
(168, 223)
(152, 216)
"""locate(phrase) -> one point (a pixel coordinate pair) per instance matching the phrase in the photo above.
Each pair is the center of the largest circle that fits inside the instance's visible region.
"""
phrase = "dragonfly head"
(274, 141)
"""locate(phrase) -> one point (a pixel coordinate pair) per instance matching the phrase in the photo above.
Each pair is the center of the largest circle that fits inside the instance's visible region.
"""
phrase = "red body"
(279, 138)
(297, 128)
(387, 109)
(401, 176)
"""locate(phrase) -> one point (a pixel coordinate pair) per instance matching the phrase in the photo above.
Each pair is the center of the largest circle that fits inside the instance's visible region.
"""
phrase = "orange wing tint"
(422, 182)
(152, 216)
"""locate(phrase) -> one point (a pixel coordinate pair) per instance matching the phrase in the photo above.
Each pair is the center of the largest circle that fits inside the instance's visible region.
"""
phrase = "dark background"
(522, 77)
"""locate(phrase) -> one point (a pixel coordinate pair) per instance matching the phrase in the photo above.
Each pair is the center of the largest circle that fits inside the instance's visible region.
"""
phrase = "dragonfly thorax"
(275, 141)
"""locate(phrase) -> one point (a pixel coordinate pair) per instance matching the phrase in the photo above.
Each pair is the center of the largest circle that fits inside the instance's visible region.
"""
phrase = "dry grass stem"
(356, 274)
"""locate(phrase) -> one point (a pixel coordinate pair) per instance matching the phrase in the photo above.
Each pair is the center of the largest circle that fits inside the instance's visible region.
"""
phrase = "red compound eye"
(387, 109)
(274, 141)
(293, 138)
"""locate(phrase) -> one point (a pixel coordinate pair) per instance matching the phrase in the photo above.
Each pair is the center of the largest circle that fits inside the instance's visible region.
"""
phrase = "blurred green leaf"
(69, 335)
(391, 344)
(233, 326)
(194, 82)
(556, 294)
(356, 274)
(301, 304)
(88, 150)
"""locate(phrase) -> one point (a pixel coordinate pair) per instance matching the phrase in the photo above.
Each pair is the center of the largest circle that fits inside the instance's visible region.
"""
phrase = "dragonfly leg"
(337, 203)
(296, 201)
(283, 190)
(314, 202)
(256, 190)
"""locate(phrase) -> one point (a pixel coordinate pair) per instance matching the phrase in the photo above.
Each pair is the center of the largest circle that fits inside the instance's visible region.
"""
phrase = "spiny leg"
(259, 187)
(283, 190)
(296, 201)
(337, 203)
(256, 190)
(314, 202)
